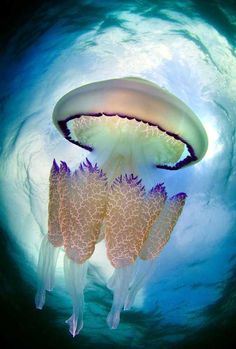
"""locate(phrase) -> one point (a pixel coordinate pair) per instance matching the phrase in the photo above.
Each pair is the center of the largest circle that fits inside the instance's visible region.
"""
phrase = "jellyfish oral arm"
(51, 243)
(130, 214)
(143, 271)
(75, 220)
(120, 291)
(124, 236)
(46, 270)
(75, 278)
(157, 238)
(162, 228)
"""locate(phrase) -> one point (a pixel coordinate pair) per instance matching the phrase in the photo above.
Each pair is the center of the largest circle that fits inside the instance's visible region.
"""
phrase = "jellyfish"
(131, 128)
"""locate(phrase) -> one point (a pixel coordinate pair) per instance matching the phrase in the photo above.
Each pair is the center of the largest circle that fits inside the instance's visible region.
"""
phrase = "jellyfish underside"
(110, 196)
(82, 201)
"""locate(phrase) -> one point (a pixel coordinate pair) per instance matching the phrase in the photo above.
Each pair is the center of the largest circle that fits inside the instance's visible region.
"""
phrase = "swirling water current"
(187, 47)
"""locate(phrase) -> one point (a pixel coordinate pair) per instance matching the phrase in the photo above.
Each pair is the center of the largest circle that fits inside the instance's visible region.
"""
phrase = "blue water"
(187, 47)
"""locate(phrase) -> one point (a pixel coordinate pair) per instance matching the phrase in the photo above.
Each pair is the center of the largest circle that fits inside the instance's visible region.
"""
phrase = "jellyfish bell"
(133, 119)
(130, 126)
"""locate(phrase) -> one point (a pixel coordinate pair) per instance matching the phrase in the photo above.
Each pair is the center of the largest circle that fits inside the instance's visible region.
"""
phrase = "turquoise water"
(187, 47)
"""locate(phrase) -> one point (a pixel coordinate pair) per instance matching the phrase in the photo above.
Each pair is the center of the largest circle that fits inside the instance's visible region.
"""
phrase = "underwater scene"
(118, 174)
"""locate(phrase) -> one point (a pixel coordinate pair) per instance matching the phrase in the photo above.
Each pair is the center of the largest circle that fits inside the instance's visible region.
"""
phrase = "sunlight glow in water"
(168, 48)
